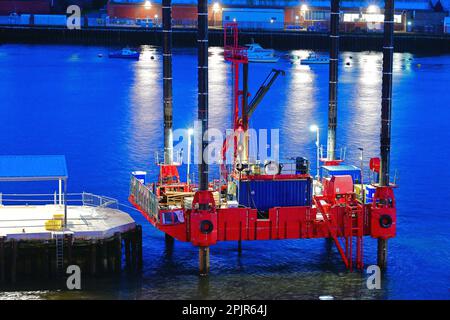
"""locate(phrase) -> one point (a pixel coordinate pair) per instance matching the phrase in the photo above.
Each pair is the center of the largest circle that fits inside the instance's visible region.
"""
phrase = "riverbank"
(285, 40)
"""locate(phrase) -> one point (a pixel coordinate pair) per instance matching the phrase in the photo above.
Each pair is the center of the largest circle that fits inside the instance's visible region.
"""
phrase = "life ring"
(385, 221)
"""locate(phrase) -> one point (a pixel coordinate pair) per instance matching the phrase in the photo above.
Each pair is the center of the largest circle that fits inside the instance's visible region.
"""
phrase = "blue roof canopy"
(33, 168)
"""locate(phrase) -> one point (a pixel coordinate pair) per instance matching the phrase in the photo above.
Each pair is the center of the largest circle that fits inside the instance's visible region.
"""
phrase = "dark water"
(105, 115)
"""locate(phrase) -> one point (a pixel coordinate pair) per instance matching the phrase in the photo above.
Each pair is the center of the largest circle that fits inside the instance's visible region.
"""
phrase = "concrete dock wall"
(36, 259)
(187, 37)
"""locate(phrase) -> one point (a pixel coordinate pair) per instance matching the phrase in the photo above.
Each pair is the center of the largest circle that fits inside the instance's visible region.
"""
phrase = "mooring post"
(240, 247)
(2, 259)
(203, 255)
(386, 111)
(13, 260)
(333, 79)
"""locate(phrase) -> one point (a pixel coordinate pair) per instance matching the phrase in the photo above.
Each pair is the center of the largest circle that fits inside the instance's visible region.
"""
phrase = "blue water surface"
(105, 115)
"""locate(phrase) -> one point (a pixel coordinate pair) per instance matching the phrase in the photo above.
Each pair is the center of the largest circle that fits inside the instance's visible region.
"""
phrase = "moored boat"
(314, 59)
(125, 53)
(256, 53)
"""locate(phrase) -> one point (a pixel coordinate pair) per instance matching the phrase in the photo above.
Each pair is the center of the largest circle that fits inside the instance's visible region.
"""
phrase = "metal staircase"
(354, 227)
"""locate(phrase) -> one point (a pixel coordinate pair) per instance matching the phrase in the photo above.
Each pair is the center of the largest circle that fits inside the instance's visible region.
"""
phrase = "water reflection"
(108, 121)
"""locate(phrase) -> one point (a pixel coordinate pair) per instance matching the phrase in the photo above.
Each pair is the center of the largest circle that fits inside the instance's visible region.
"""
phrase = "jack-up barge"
(268, 203)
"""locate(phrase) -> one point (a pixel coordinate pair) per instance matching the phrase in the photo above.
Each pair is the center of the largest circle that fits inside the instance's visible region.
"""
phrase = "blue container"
(370, 191)
(140, 175)
(342, 170)
(266, 194)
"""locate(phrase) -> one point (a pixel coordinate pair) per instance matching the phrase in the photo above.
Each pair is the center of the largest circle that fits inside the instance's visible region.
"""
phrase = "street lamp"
(190, 133)
(363, 192)
(373, 9)
(303, 9)
(315, 128)
(216, 8)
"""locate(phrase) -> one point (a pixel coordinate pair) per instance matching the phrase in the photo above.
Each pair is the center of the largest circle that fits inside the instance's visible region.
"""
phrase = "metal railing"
(144, 198)
(79, 199)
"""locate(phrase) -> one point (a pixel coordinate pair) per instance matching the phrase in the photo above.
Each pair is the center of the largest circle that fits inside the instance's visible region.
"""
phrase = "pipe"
(333, 79)
(167, 80)
(202, 41)
(386, 99)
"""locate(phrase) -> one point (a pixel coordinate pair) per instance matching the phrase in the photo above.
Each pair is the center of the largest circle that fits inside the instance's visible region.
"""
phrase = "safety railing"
(144, 198)
(77, 199)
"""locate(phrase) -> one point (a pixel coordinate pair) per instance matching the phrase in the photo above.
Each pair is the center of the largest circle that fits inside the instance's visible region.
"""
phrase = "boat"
(256, 53)
(314, 59)
(125, 53)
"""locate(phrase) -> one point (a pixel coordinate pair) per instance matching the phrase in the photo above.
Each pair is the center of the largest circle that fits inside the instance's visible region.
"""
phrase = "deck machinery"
(270, 201)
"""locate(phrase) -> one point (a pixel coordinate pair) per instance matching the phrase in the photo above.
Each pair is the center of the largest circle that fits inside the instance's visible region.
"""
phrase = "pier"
(42, 234)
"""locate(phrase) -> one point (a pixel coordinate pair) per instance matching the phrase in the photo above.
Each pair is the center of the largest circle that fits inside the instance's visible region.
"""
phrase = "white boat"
(125, 53)
(256, 53)
(314, 59)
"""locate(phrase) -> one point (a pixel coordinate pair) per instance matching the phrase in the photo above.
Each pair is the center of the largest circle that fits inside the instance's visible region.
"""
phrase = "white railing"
(80, 199)
(144, 198)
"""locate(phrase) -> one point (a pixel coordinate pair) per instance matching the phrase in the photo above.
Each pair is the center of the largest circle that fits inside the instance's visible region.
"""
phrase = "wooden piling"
(93, 257)
(104, 254)
(2, 260)
(239, 247)
(133, 250)
(118, 251)
(69, 249)
(45, 263)
(139, 247)
(13, 260)
(127, 244)
(203, 259)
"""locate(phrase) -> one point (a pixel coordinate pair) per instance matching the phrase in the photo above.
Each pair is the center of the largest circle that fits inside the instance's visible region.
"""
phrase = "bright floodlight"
(147, 4)
(216, 7)
(373, 8)
(156, 16)
(304, 7)
(313, 128)
(190, 131)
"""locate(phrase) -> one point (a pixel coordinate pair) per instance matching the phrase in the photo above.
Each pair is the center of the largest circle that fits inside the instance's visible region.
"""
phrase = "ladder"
(59, 245)
(353, 227)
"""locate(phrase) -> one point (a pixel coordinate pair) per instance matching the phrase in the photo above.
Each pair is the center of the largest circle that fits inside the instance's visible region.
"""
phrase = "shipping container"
(341, 170)
(265, 194)
(254, 19)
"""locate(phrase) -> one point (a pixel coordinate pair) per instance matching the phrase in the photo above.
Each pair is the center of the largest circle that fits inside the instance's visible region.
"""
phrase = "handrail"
(84, 199)
(144, 198)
